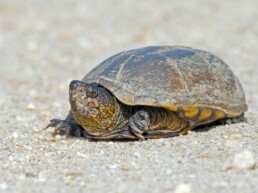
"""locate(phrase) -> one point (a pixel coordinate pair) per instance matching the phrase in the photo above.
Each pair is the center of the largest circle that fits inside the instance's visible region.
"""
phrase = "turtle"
(152, 92)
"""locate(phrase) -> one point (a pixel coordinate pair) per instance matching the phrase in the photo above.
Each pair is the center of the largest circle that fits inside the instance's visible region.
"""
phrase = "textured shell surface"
(170, 77)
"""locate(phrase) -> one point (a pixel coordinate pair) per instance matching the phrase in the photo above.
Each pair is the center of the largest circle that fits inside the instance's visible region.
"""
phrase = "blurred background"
(44, 44)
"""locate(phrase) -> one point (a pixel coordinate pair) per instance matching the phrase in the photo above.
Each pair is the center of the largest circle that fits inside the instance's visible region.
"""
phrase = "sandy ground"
(45, 44)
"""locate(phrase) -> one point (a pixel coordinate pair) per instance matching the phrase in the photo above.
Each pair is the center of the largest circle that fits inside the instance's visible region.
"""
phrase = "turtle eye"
(91, 91)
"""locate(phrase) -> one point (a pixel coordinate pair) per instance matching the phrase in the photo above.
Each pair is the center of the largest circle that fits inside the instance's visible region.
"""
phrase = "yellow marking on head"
(205, 113)
(190, 112)
(218, 114)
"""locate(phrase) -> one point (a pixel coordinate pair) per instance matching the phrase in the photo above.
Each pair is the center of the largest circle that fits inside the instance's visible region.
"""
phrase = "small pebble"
(65, 36)
(82, 183)
(167, 144)
(28, 118)
(242, 161)
(15, 135)
(113, 166)
(110, 143)
(57, 104)
(231, 143)
(42, 26)
(225, 136)
(80, 154)
(168, 171)
(101, 152)
(58, 136)
(84, 43)
(136, 154)
(32, 46)
(31, 106)
(236, 136)
(32, 93)
(183, 188)
(3, 185)
(11, 158)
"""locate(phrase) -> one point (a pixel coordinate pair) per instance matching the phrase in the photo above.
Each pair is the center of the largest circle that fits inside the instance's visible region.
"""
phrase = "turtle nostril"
(92, 103)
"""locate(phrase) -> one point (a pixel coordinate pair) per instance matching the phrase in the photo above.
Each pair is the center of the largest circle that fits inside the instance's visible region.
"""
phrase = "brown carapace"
(152, 92)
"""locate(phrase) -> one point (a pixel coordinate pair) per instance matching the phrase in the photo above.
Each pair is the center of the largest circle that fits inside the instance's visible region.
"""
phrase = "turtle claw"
(63, 127)
(139, 123)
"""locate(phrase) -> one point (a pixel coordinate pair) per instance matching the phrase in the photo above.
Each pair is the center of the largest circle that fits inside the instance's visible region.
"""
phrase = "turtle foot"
(139, 123)
(63, 127)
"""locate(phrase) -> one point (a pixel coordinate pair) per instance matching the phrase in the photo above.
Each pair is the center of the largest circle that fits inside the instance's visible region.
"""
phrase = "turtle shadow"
(222, 122)
(112, 140)
(205, 128)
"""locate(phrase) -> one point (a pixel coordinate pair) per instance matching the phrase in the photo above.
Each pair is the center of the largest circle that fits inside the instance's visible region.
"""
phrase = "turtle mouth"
(89, 112)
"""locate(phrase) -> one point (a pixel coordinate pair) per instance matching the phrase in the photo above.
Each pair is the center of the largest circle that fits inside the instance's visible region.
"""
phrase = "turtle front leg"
(139, 123)
(67, 127)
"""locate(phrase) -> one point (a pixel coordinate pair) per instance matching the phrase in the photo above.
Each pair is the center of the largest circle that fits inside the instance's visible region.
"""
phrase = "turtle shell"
(170, 77)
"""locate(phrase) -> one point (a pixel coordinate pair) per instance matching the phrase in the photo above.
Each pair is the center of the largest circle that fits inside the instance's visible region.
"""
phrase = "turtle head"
(93, 107)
